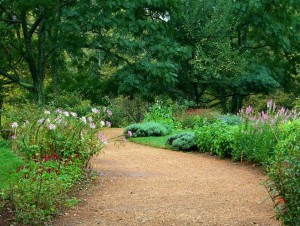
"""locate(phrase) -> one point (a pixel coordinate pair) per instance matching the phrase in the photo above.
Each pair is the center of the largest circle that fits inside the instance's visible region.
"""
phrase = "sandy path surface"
(140, 185)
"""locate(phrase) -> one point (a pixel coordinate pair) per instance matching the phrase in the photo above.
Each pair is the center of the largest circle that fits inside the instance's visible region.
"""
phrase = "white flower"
(14, 125)
(74, 114)
(40, 121)
(83, 119)
(90, 119)
(95, 110)
(66, 113)
(58, 120)
(52, 126)
(102, 123)
(47, 120)
(47, 112)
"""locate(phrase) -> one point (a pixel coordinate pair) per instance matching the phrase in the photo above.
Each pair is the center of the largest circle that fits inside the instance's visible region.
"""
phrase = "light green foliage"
(9, 162)
(183, 141)
(217, 138)
(163, 112)
(148, 129)
(284, 174)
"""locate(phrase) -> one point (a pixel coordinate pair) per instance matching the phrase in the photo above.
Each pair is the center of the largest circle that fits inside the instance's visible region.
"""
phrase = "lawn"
(9, 162)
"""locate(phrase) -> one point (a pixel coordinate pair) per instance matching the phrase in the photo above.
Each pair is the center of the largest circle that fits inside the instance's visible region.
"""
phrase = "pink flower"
(109, 112)
(90, 119)
(58, 110)
(129, 133)
(101, 136)
(92, 125)
(14, 125)
(108, 124)
(249, 109)
(14, 136)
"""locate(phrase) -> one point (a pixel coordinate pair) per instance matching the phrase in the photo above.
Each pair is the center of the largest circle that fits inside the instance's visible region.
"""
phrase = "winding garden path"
(139, 185)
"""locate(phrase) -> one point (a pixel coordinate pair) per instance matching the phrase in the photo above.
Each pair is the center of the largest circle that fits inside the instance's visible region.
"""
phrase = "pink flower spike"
(249, 109)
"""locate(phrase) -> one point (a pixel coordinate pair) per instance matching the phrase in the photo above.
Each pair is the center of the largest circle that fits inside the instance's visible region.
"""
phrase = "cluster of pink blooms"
(270, 115)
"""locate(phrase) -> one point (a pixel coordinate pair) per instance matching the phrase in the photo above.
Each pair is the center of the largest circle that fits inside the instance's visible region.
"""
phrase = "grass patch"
(157, 142)
(9, 162)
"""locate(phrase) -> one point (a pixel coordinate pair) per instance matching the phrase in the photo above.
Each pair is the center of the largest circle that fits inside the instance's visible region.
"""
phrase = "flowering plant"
(61, 133)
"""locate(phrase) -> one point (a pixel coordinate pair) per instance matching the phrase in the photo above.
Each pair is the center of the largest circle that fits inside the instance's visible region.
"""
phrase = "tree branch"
(16, 79)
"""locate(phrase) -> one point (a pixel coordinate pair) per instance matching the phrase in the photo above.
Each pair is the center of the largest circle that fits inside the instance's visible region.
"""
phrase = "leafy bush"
(41, 187)
(56, 147)
(231, 119)
(217, 138)
(197, 117)
(284, 174)
(127, 111)
(183, 141)
(148, 129)
(163, 112)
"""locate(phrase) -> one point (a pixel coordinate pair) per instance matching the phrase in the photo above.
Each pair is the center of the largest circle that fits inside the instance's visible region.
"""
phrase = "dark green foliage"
(127, 111)
(183, 141)
(148, 129)
(284, 174)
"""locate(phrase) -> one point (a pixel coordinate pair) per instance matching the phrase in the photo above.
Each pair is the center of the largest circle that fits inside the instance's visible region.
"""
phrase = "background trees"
(215, 53)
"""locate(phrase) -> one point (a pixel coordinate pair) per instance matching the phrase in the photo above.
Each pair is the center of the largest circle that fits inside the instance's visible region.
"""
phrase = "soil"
(139, 185)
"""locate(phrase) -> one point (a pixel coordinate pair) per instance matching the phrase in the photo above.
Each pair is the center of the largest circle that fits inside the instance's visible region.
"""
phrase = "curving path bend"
(140, 185)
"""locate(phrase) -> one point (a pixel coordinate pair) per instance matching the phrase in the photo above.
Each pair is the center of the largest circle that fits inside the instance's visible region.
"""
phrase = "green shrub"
(284, 174)
(127, 111)
(163, 112)
(194, 118)
(183, 141)
(232, 120)
(148, 129)
(217, 138)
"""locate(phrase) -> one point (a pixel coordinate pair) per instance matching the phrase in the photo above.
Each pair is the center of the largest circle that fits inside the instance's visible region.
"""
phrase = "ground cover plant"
(55, 148)
(148, 129)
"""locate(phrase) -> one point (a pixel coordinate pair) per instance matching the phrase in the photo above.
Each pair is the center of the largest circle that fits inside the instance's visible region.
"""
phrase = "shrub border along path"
(140, 185)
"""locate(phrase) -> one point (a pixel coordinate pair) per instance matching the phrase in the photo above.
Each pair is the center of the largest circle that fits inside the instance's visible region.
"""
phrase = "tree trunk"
(197, 96)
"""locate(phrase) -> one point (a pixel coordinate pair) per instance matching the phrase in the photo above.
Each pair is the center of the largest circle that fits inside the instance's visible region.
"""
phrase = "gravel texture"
(139, 185)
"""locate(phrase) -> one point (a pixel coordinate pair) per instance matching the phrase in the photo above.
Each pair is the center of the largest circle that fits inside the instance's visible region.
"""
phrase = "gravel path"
(139, 185)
